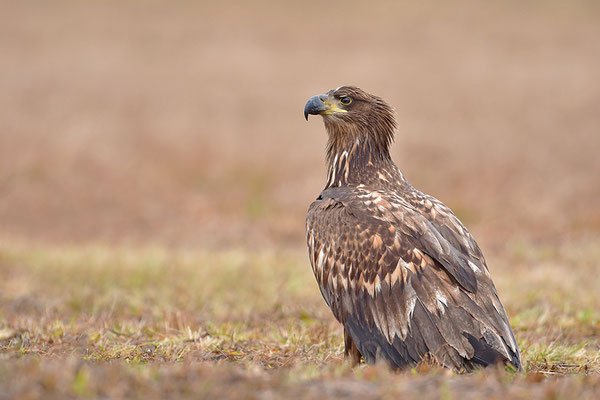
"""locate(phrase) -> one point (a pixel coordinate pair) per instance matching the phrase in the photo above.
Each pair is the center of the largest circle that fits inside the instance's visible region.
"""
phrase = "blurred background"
(180, 123)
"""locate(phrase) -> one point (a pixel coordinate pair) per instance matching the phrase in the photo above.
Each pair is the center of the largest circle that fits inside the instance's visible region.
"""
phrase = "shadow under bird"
(398, 269)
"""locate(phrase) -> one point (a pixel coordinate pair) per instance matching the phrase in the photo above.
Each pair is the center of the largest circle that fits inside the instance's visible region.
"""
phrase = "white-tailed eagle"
(398, 269)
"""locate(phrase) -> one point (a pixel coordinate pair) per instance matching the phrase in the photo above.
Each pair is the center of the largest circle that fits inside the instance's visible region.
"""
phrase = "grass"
(136, 322)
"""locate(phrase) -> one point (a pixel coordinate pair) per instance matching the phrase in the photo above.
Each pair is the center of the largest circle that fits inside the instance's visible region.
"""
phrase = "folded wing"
(407, 281)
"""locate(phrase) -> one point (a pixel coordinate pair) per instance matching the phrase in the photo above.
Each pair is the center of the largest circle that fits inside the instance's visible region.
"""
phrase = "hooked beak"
(315, 105)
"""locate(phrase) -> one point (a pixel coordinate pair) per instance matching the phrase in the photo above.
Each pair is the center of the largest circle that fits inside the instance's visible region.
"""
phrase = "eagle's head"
(352, 115)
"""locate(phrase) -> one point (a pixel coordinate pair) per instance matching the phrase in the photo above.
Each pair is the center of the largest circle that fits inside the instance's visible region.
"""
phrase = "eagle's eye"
(345, 100)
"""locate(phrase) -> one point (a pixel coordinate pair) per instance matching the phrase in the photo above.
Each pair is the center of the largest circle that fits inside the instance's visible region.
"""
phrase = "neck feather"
(356, 157)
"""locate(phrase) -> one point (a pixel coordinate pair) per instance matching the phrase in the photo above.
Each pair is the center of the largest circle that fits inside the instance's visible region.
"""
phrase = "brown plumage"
(398, 269)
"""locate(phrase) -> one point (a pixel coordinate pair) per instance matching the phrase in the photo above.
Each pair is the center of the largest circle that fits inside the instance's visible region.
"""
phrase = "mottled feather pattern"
(398, 269)
(373, 273)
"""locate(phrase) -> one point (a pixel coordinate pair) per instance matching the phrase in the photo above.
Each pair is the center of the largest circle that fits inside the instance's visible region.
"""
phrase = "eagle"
(398, 269)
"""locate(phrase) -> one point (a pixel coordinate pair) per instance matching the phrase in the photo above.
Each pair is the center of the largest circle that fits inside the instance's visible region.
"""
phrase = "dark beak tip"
(305, 115)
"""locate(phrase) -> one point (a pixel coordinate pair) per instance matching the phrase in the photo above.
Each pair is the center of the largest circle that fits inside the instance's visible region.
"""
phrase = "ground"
(95, 321)
(155, 169)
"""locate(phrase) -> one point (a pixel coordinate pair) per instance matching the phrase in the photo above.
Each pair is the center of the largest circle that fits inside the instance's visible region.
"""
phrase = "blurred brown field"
(181, 124)
(155, 170)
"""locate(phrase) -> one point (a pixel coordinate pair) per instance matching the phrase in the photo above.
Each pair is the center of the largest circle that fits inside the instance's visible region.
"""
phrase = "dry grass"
(96, 321)
(155, 169)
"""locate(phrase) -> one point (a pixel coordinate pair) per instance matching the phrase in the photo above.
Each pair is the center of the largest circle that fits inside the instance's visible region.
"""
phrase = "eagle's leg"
(350, 350)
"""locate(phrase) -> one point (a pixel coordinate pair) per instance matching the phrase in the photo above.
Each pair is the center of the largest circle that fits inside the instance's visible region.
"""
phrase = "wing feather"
(402, 282)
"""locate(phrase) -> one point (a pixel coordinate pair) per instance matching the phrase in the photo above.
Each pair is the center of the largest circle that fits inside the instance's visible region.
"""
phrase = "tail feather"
(374, 347)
